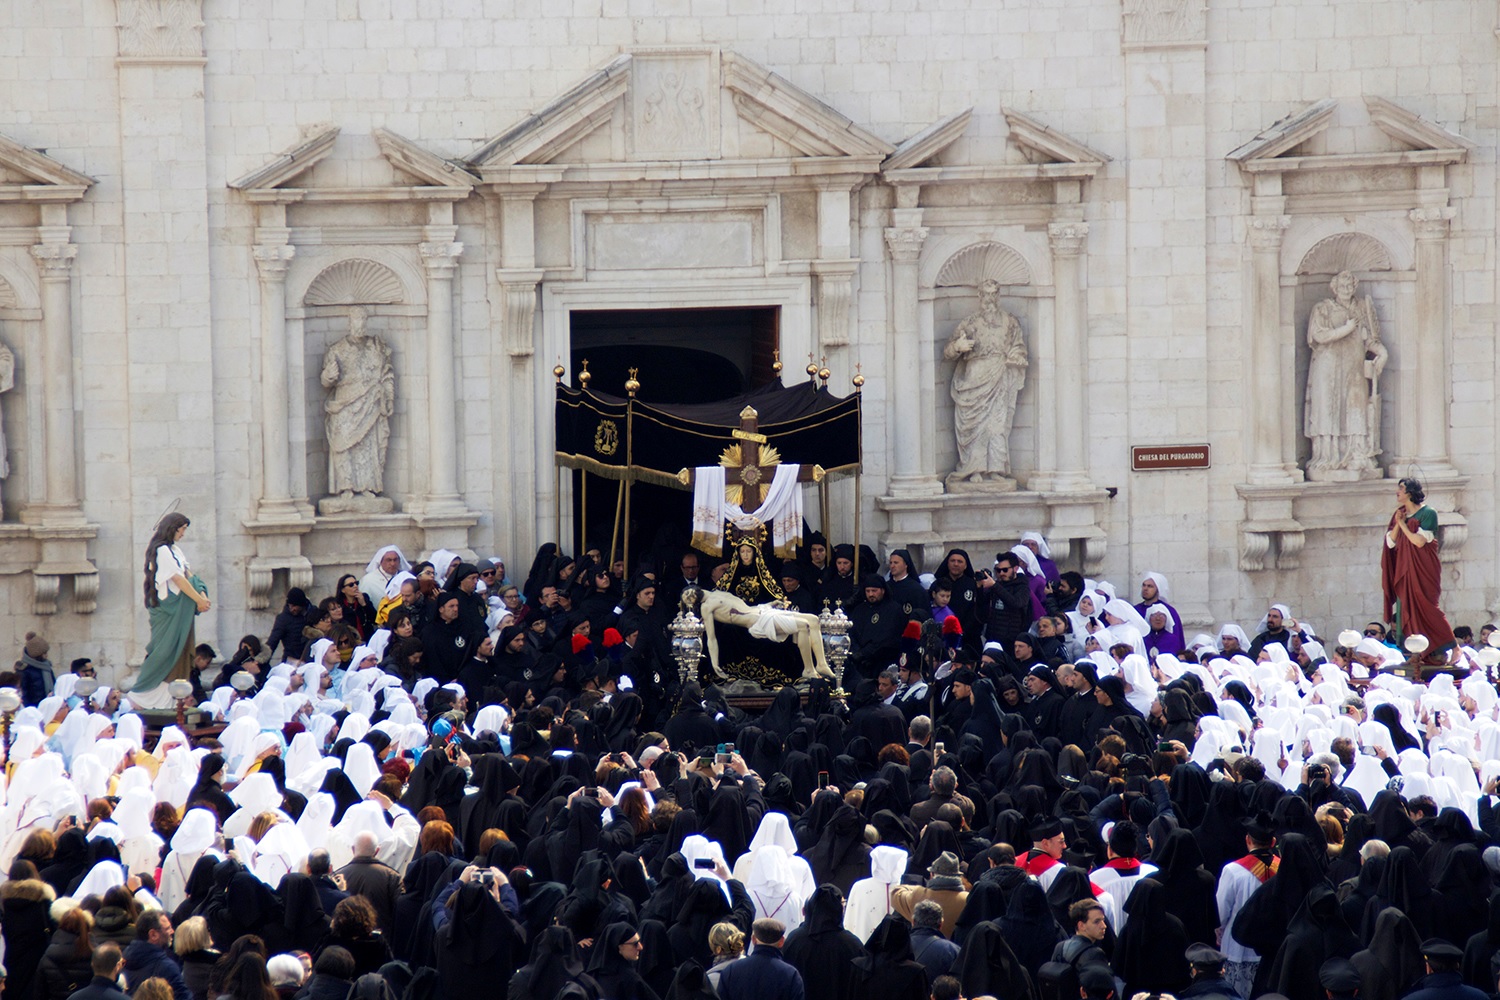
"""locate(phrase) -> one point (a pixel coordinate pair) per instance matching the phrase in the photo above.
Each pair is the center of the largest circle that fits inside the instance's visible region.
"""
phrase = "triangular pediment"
(292, 162)
(684, 104)
(929, 142)
(420, 164)
(27, 174)
(1332, 134)
(1043, 144)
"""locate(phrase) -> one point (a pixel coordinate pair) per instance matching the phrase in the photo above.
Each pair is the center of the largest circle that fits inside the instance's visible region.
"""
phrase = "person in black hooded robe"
(1392, 964)
(582, 823)
(1029, 927)
(821, 950)
(839, 583)
(592, 905)
(449, 639)
(304, 924)
(1190, 888)
(1317, 933)
(69, 861)
(1221, 836)
(424, 877)
(988, 967)
(200, 885)
(958, 572)
(705, 905)
(888, 971)
(840, 857)
(614, 963)
(1404, 887)
(1463, 891)
(554, 964)
(437, 781)
(480, 946)
(497, 781)
(1449, 830)
(1150, 952)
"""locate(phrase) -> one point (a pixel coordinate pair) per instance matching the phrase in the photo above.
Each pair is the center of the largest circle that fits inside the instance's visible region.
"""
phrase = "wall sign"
(1157, 458)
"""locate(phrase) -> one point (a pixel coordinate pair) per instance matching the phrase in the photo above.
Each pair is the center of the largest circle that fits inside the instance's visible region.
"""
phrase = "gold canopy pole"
(557, 373)
(582, 528)
(632, 386)
(859, 384)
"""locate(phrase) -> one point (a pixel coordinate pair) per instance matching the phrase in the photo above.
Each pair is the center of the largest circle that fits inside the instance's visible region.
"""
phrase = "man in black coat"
(874, 719)
(1207, 966)
(320, 869)
(1044, 709)
(1009, 599)
(368, 877)
(1078, 719)
(763, 974)
(150, 955)
(106, 964)
(876, 633)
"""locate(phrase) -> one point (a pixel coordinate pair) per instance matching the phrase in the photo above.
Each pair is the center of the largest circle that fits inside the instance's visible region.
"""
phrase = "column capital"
(906, 244)
(1265, 231)
(272, 260)
(440, 257)
(1067, 238)
(1432, 223)
(55, 260)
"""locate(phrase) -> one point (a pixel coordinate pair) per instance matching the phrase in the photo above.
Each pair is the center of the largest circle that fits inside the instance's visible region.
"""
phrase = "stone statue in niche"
(357, 419)
(1343, 385)
(991, 356)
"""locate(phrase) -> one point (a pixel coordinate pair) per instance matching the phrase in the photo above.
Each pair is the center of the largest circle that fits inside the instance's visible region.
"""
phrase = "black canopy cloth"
(628, 440)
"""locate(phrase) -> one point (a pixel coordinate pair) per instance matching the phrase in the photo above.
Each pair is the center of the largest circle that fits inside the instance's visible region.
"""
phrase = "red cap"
(952, 627)
(913, 630)
(580, 643)
(612, 637)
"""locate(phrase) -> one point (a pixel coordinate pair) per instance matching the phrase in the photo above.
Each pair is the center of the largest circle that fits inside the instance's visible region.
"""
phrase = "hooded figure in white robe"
(870, 898)
(375, 579)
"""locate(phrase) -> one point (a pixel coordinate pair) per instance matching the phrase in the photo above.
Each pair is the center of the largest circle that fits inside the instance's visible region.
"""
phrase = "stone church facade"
(194, 194)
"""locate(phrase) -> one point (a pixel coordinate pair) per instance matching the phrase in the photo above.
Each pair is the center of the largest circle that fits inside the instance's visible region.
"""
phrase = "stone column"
(1069, 402)
(1432, 379)
(55, 261)
(1267, 463)
(441, 259)
(904, 241)
(272, 262)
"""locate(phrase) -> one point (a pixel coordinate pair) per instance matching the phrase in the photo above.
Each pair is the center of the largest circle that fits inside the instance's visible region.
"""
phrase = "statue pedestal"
(356, 504)
(1343, 475)
(991, 483)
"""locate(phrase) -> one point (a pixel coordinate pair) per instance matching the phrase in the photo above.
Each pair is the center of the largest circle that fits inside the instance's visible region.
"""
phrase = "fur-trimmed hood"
(30, 890)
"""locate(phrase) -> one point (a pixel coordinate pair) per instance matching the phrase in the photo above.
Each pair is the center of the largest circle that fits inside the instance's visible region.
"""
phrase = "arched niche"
(393, 315)
(955, 295)
(1376, 264)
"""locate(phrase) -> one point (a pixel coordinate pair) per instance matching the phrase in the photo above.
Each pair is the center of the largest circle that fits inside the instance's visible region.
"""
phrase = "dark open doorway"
(682, 356)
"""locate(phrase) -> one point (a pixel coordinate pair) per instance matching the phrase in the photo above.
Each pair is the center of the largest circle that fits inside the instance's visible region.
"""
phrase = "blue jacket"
(99, 989)
(763, 975)
(144, 960)
(1444, 986)
(935, 952)
(37, 679)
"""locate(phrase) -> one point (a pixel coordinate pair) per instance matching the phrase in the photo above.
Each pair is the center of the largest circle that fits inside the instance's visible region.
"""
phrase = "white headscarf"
(362, 768)
(1163, 589)
(1042, 548)
(1028, 559)
(1230, 628)
(374, 564)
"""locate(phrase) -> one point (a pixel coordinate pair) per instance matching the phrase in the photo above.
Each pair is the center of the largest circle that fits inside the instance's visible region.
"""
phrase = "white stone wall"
(166, 296)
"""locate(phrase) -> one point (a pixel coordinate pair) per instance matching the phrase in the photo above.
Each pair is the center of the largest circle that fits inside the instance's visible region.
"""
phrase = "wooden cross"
(754, 478)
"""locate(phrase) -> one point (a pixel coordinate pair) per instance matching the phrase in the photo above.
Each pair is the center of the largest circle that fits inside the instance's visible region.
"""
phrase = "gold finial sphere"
(632, 385)
(776, 363)
(812, 369)
(585, 376)
(558, 371)
(859, 381)
(824, 374)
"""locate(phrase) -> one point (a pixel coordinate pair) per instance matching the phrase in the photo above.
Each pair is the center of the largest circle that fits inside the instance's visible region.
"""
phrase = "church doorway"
(683, 356)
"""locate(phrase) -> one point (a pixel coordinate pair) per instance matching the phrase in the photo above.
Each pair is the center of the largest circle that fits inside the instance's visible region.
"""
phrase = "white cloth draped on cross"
(781, 511)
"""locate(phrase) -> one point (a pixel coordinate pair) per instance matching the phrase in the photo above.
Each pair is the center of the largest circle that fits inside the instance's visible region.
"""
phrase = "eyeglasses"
(351, 583)
(486, 572)
(632, 944)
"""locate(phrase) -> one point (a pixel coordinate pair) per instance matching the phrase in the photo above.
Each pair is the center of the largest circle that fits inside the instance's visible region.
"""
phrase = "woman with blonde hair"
(727, 942)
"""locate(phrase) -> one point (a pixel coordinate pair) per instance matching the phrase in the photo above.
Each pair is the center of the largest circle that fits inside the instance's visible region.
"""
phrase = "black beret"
(1339, 977)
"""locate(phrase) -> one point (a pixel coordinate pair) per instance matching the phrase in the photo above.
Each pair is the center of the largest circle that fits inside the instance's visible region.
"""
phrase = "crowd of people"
(438, 782)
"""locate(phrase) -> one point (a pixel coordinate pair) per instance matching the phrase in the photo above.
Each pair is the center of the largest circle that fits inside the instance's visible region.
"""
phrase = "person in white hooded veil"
(193, 839)
(870, 898)
(140, 847)
(772, 885)
(775, 829)
(383, 567)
